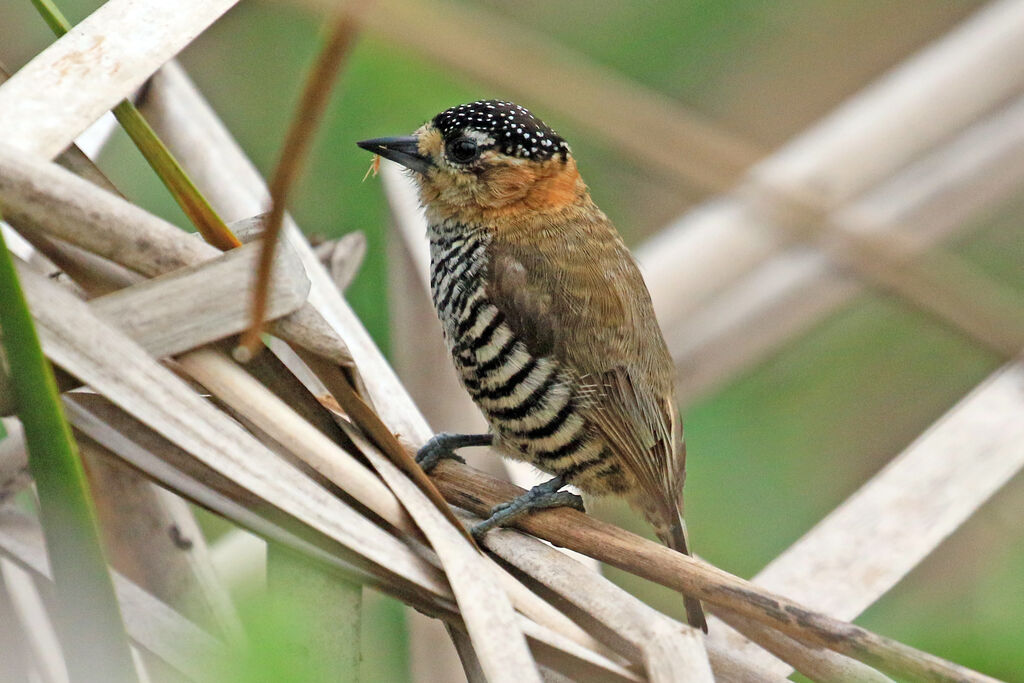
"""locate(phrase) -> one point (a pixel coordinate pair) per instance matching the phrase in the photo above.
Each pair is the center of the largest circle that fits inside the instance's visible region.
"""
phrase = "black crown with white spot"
(516, 132)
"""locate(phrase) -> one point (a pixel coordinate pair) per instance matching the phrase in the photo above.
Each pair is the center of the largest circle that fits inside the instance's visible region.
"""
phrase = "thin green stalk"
(160, 159)
(89, 622)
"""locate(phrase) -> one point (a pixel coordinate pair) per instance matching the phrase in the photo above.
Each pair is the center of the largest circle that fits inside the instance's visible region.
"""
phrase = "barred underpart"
(532, 403)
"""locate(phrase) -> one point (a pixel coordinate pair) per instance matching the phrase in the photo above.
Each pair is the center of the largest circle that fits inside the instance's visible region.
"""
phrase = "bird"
(547, 317)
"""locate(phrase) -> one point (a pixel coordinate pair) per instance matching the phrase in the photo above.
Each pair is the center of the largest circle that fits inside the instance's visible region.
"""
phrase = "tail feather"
(675, 537)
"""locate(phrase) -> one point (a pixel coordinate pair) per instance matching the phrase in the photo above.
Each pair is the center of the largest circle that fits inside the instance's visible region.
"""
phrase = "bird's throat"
(506, 194)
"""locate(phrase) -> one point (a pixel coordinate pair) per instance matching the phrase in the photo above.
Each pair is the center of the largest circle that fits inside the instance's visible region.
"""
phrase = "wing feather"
(590, 309)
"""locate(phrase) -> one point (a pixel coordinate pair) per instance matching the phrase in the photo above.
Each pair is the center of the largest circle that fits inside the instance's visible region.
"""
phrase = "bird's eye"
(463, 150)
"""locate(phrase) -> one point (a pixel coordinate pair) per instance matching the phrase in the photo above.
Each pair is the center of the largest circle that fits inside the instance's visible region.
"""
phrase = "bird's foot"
(442, 446)
(540, 497)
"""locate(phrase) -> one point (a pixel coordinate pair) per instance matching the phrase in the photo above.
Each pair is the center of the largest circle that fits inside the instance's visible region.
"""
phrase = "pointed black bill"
(404, 150)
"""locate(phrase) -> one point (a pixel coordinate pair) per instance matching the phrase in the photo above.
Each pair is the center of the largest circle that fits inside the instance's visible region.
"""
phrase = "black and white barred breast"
(534, 404)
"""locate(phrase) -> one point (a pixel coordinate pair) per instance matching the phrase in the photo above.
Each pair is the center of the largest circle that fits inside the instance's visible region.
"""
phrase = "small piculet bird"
(547, 317)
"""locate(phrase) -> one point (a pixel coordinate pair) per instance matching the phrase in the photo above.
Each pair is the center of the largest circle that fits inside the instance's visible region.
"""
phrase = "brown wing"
(577, 295)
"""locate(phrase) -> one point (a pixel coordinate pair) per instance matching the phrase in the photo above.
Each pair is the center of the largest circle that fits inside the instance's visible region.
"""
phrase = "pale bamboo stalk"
(918, 104)
(343, 257)
(100, 62)
(45, 197)
(470, 664)
(231, 384)
(566, 657)
(919, 206)
(160, 314)
(818, 664)
(163, 311)
(875, 537)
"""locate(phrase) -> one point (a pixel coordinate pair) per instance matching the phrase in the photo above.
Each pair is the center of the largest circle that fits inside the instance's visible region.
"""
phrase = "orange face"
(491, 185)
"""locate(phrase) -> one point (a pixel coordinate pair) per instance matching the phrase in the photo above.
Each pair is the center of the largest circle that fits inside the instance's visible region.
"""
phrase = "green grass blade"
(185, 193)
(89, 621)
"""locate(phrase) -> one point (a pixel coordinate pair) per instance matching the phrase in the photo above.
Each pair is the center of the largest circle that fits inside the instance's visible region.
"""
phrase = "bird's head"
(486, 161)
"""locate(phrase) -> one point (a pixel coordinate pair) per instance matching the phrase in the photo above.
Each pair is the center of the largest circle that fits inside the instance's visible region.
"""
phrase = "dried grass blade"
(44, 197)
(369, 422)
(121, 371)
(184, 192)
(490, 620)
(343, 31)
(856, 554)
(477, 492)
(65, 88)
(153, 539)
(668, 650)
(161, 313)
(232, 385)
(818, 664)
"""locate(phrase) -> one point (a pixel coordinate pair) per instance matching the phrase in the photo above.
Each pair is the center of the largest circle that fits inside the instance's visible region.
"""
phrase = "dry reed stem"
(84, 74)
(180, 472)
(857, 553)
(917, 105)
(925, 202)
(669, 650)
(478, 493)
(122, 371)
(818, 664)
(312, 103)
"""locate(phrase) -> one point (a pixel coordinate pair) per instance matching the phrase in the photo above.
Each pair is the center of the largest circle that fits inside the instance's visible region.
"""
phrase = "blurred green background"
(780, 446)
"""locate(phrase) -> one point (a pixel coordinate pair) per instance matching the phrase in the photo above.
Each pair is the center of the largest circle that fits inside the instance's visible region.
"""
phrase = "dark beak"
(404, 150)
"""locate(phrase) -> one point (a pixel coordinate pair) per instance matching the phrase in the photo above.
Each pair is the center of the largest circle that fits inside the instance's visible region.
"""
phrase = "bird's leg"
(540, 497)
(443, 446)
